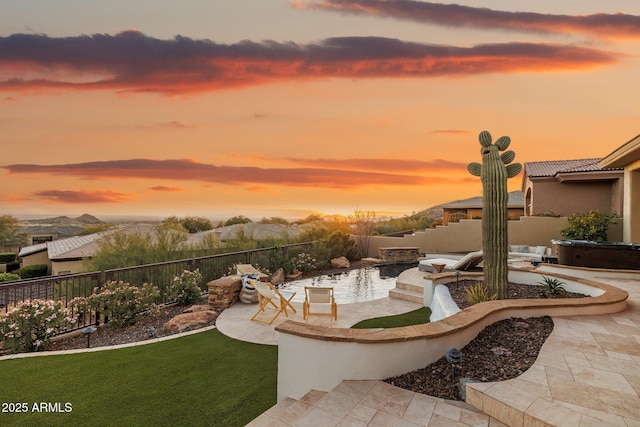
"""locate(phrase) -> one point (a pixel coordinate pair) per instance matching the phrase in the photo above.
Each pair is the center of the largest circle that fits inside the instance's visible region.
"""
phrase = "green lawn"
(201, 379)
(415, 317)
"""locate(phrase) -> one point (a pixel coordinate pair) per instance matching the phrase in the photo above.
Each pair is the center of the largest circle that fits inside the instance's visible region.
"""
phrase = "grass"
(200, 379)
(415, 317)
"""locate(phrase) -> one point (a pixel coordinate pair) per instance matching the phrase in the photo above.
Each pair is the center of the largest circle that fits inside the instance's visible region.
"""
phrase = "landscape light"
(88, 331)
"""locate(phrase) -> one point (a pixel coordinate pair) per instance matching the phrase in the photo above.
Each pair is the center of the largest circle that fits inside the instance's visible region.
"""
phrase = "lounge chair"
(270, 297)
(467, 262)
(322, 298)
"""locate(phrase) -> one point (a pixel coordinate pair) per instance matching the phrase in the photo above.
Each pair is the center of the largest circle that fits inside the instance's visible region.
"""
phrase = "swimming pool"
(357, 285)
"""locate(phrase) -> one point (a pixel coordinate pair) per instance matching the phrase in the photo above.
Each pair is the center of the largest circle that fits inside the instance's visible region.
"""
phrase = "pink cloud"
(601, 25)
(192, 170)
(133, 62)
(62, 196)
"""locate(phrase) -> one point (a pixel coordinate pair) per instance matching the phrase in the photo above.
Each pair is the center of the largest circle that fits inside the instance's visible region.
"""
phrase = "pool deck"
(235, 321)
(586, 374)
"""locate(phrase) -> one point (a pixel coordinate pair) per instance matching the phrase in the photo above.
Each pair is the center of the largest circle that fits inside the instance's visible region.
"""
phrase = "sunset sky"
(284, 108)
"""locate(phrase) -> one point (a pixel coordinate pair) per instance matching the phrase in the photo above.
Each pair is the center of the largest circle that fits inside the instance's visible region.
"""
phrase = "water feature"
(357, 285)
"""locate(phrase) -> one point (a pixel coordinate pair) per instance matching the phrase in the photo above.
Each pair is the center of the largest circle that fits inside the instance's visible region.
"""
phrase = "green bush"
(30, 325)
(185, 288)
(7, 277)
(30, 271)
(13, 266)
(8, 257)
(590, 226)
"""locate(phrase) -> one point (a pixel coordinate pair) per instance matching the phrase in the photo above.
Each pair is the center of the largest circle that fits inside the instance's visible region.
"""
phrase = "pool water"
(357, 285)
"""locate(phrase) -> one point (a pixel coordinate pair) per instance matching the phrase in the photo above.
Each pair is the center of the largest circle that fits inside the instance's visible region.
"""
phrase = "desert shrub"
(30, 325)
(552, 285)
(479, 293)
(8, 257)
(341, 244)
(588, 226)
(30, 271)
(278, 260)
(7, 277)
(121, 303)
(185, 288)
(304, 262)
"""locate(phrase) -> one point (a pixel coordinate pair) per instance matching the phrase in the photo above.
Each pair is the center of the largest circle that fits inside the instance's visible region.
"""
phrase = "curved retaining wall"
(316, 357)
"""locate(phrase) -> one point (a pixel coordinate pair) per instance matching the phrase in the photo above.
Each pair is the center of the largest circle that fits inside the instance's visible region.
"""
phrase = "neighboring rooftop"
(551, 168)
(516, 200)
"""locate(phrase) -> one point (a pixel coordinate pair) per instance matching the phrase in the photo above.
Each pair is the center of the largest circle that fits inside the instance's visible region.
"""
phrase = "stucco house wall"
(37, 258)
(568, 198)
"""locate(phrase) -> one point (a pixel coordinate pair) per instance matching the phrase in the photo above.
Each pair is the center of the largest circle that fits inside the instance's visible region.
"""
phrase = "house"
(566, 187)
(627, 158)
(472, 208)
(65, 256)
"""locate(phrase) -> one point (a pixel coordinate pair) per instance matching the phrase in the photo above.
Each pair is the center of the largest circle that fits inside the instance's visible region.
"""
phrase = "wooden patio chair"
(319, 298)
(270, 297)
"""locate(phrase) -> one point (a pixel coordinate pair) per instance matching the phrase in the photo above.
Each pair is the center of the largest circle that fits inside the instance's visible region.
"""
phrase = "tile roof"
(554, 167)
(516, 200)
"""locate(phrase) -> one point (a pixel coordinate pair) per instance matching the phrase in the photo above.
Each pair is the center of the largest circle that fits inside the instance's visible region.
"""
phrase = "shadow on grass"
(197, 380)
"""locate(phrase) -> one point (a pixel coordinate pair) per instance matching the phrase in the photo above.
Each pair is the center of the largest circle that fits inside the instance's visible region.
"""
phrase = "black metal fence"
(66, 287)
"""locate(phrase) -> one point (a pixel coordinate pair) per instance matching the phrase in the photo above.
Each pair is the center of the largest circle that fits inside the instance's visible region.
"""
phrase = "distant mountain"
(82, 220)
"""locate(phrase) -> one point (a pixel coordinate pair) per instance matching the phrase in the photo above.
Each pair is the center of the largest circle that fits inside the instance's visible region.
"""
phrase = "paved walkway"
(587, 374)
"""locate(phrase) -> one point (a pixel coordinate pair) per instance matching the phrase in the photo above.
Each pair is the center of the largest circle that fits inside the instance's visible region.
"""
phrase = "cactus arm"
(474, 168)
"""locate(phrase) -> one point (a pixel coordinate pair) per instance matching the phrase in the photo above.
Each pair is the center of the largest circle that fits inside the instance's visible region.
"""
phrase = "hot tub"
(584, 253)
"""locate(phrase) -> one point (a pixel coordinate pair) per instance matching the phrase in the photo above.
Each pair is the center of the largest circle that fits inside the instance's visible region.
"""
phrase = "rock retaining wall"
(224, 292)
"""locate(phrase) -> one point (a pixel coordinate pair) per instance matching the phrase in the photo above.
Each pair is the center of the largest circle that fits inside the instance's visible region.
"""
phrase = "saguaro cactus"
(494, 171)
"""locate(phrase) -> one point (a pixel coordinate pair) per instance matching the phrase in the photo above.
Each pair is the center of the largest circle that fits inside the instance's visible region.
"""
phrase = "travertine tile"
(621, 344)
(351, 422)
(614, 364)
(535, 374)
(420, 409)
(317, 417)
(382, 419)
(337, 403)
(510, 395)
(602, 417)
(440, 421)
(388, 399)
(447, 410)
(474, 418)
(496, 409)
(362, 412)
(603, 379)
(539, 390)
(547, 412)
(355, 388)
(596, 398)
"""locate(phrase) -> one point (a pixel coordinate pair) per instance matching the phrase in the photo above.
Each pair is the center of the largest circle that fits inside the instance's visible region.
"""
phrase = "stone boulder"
(186, 321)
(278, 277)
(341, 262)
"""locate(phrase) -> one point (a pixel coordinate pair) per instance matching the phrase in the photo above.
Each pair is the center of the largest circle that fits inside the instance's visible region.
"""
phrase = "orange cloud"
(60, 196)
(388, 165)
(133, 62)
(192, 170)
(601, 25)
(164, 188)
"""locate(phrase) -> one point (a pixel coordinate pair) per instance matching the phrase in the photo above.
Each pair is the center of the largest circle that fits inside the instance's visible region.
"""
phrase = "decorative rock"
(278, 277)
(197, 307)
(185, 321)
(294, 275)
(341, 262)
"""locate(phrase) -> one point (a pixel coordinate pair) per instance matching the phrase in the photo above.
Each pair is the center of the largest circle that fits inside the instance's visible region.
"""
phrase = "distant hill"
(82, 220)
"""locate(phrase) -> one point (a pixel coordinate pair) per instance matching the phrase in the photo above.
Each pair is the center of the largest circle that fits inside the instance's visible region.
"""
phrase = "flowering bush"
(184, 289)
(30, 325)
(304, 262)
(588, 226)
(119, 302)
